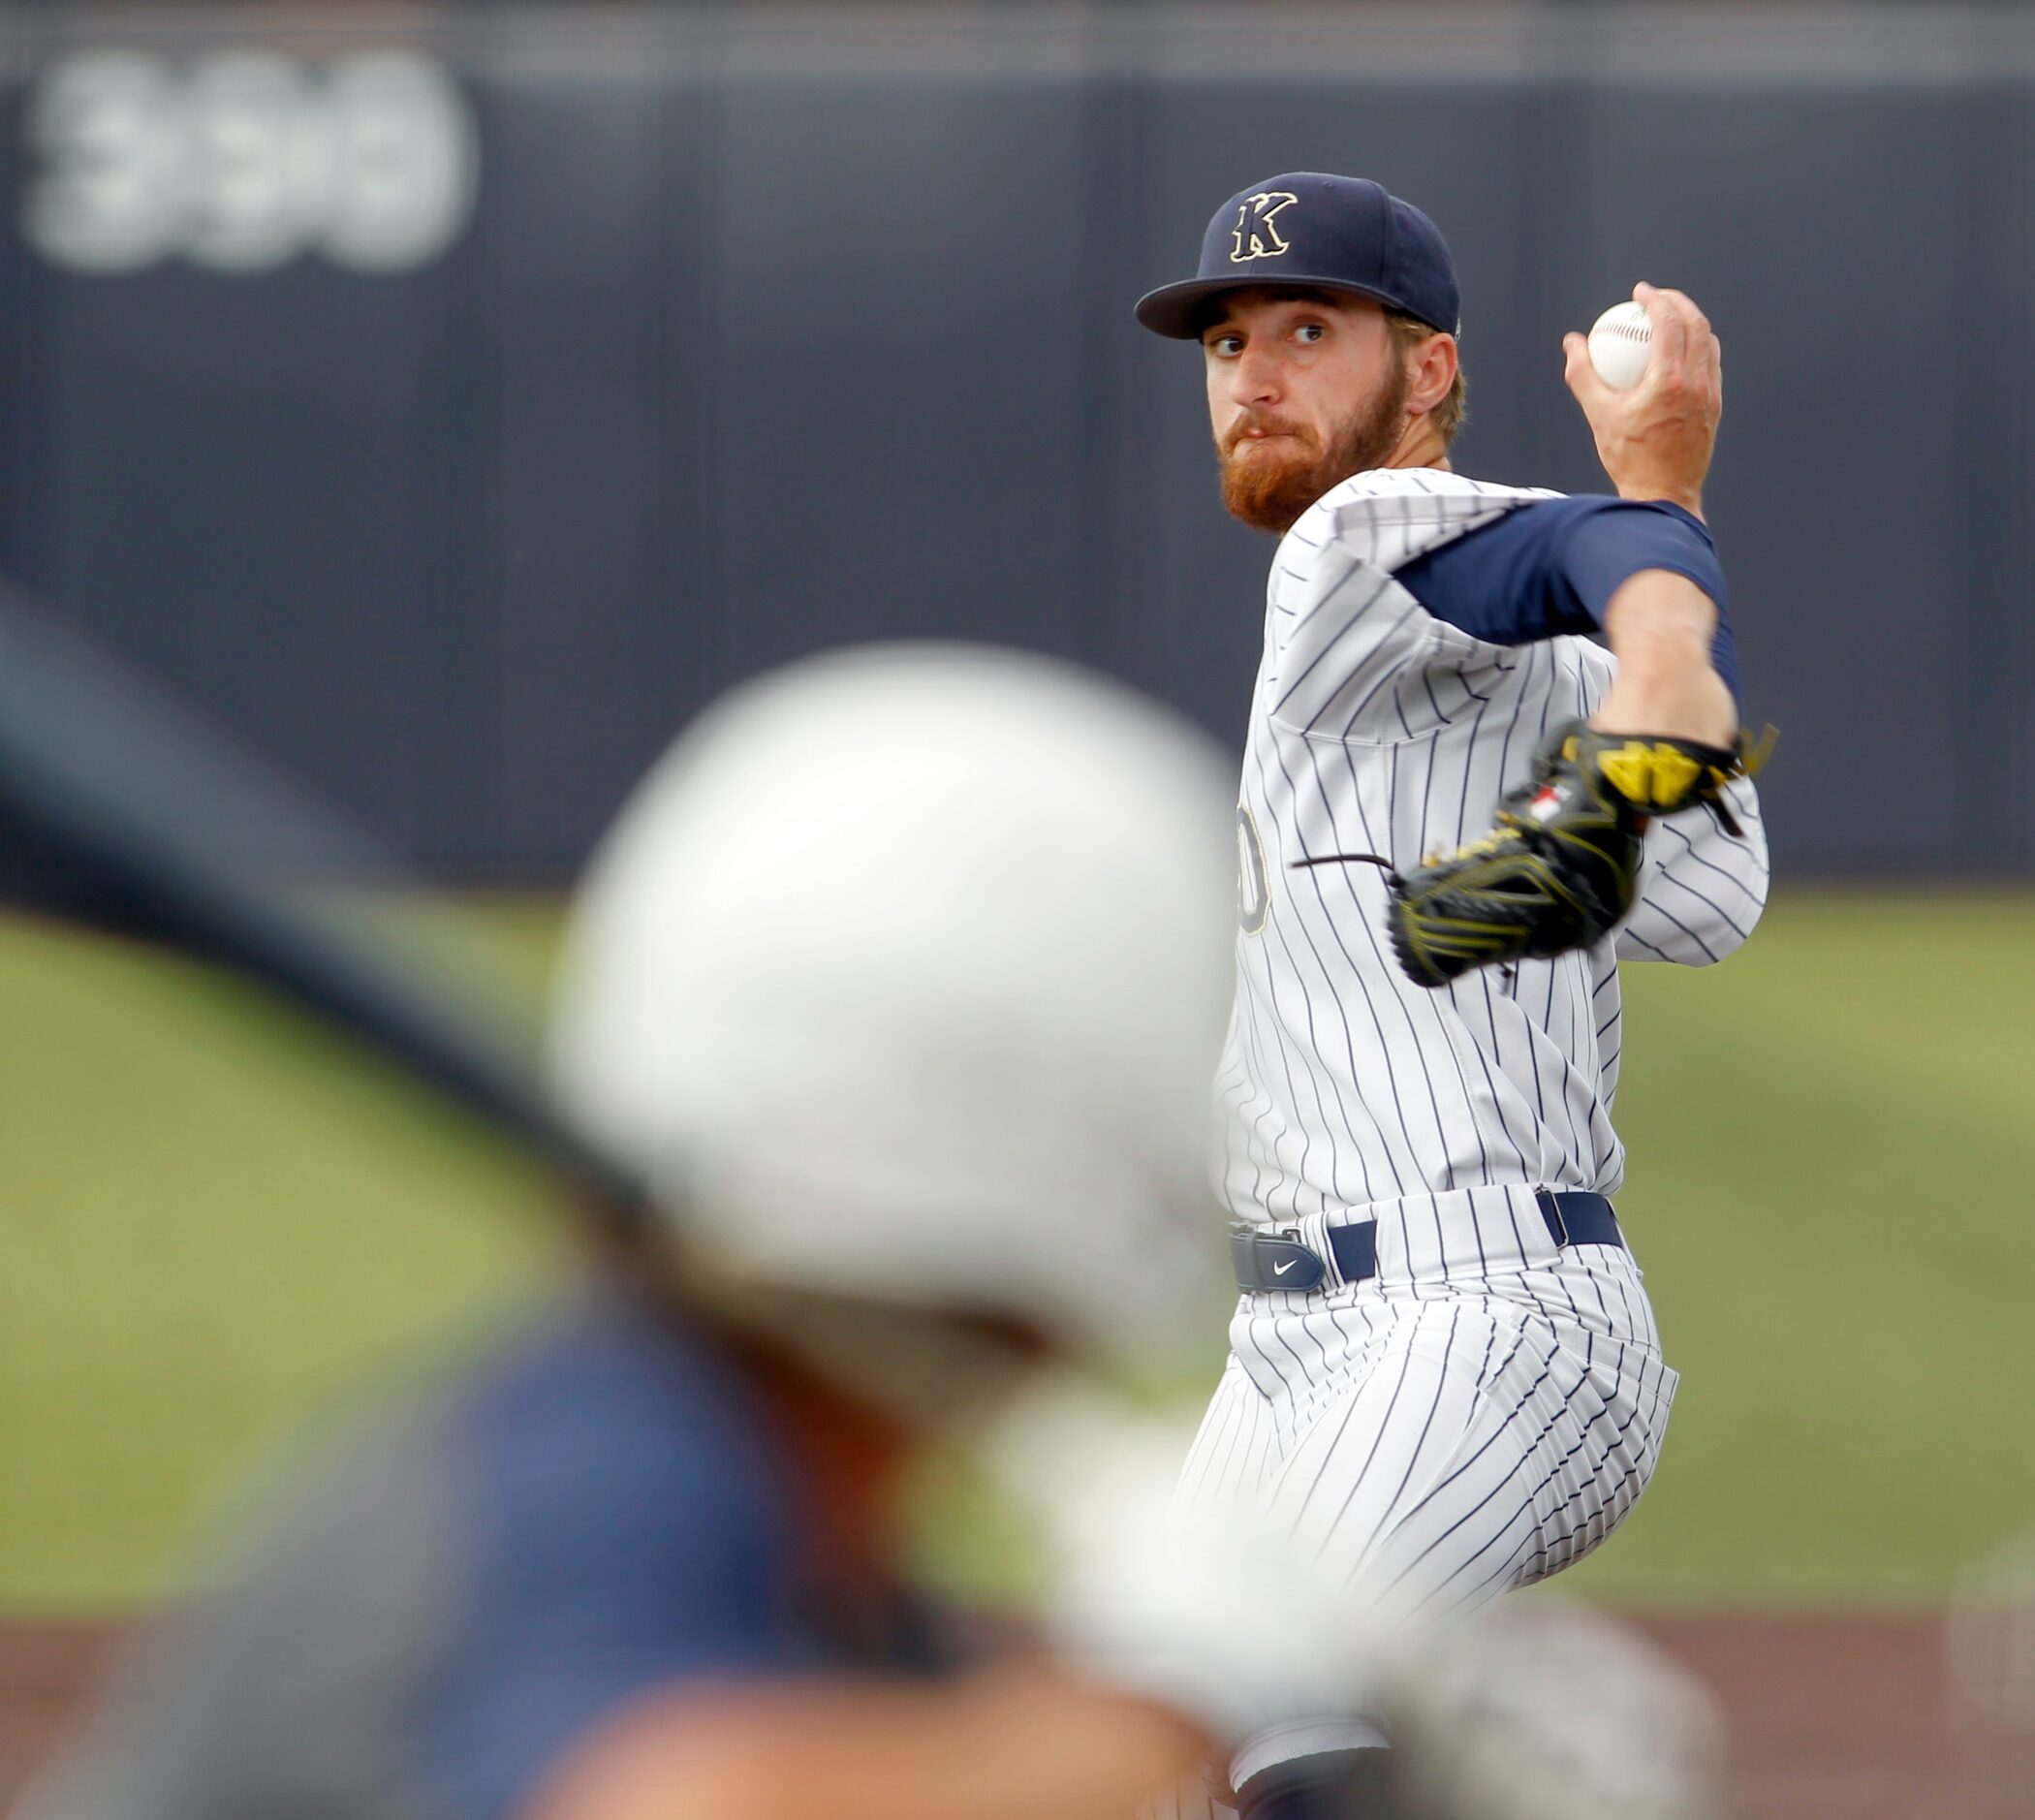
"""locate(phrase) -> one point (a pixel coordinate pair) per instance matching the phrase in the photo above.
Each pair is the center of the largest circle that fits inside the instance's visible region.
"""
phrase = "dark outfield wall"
(459, 466)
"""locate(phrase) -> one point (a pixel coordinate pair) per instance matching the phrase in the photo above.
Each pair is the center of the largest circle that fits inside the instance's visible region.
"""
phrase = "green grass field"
(218, 1219)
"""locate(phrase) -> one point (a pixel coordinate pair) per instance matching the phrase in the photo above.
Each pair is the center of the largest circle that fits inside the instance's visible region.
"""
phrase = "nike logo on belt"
(1280, 1270)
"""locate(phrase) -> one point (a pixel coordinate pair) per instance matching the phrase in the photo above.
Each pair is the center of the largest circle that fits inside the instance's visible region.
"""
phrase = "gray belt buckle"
(1557, 1224)
(1274, 1261)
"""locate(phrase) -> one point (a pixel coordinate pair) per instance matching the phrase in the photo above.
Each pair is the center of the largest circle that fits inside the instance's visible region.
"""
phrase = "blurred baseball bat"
(120, 811)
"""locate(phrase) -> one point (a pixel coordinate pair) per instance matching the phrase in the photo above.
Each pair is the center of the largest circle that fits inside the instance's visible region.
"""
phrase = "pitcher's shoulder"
(1381, 497)
(1383, 516)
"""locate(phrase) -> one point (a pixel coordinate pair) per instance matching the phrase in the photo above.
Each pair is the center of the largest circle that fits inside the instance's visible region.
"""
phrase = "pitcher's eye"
(1311, 331)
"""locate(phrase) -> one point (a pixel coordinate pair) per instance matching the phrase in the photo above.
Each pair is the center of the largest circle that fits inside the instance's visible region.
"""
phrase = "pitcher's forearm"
(1661, 627)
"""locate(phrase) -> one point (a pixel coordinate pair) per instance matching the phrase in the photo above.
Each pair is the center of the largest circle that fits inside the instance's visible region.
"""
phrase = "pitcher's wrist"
(1640, 492)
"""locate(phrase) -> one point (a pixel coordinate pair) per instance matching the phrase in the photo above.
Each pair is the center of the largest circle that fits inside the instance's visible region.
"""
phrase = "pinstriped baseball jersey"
(1377, 728)
(1489, 1405)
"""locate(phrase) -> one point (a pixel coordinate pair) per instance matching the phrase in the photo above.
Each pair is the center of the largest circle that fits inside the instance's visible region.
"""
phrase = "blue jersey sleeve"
(1552, 568)
(623, 1532)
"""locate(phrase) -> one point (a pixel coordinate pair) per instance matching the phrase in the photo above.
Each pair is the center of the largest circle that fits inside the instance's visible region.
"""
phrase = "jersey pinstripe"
(1376, 727)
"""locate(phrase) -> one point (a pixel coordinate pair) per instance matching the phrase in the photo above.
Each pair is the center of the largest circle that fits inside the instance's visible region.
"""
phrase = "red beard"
(1269, 490)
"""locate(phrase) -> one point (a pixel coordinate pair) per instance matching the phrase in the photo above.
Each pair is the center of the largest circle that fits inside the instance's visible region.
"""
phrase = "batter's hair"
(1407, 332)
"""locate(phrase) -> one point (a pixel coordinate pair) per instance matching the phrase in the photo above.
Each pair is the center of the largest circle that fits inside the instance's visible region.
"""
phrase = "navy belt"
(1268, 1259)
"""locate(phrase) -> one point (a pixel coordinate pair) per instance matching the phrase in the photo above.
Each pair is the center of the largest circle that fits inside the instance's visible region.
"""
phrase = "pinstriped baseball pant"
(1435, 1443)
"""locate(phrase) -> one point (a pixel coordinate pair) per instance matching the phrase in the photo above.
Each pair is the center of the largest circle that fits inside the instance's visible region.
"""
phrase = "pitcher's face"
(1306, 388)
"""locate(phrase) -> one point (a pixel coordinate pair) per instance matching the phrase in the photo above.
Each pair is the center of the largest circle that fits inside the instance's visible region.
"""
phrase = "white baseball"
(1621, 343)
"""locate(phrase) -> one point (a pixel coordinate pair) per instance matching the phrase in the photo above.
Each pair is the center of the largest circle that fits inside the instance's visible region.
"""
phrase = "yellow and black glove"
(1562, 865)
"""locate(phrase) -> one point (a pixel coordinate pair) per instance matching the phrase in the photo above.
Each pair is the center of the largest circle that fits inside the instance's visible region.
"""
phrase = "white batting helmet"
(902, 977)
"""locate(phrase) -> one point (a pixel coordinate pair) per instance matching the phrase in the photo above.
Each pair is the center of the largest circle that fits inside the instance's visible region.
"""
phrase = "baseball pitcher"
(1459, 811)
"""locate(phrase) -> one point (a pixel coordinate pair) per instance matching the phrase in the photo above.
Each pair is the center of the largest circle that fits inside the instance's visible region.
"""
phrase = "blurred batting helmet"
(903, 978)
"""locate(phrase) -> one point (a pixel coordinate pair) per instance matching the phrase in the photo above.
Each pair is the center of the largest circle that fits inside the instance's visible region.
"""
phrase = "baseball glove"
(1562, 865)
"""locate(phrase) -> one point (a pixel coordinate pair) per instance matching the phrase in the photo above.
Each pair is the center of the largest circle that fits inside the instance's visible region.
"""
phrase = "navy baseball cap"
(1305, 228)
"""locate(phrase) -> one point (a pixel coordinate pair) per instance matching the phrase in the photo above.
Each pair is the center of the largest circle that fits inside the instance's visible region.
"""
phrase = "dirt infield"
(1849, 1716)
(1845, 1717)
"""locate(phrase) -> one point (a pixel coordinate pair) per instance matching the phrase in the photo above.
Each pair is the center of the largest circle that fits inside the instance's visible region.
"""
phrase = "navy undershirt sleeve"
(1552, 567)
